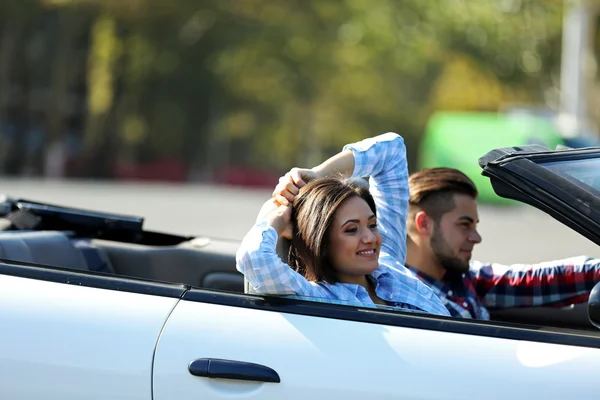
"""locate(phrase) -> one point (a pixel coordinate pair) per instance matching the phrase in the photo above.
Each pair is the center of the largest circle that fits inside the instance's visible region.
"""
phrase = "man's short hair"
(432, 190)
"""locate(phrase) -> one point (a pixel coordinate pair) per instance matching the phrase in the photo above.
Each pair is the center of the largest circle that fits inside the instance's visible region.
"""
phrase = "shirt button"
(465, 305)
(390, 296)
(450, 293)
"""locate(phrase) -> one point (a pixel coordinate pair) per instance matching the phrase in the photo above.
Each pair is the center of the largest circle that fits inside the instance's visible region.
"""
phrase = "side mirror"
(594, 306)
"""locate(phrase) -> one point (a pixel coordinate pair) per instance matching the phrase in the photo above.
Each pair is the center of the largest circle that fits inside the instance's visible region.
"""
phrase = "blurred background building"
(237, 92)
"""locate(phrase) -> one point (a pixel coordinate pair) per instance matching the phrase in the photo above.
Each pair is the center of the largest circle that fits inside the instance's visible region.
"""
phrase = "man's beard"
(454, 266)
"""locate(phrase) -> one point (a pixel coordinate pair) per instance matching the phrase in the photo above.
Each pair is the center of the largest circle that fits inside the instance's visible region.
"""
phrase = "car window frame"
(286, 305)
(92, 279)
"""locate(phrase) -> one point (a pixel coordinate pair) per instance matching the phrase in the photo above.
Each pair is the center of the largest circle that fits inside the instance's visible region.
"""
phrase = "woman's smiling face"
(354, 241)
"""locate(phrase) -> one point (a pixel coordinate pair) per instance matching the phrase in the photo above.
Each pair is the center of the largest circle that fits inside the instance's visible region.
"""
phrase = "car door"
(223, 346)
(73, 335)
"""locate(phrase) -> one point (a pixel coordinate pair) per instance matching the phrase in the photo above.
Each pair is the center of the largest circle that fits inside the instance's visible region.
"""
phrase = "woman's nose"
(368, 236)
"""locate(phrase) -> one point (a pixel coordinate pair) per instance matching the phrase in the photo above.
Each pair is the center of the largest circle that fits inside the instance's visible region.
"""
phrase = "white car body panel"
(323, 358)
(64, 341)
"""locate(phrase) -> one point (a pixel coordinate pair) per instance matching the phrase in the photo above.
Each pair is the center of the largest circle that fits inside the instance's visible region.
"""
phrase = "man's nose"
(475, 237)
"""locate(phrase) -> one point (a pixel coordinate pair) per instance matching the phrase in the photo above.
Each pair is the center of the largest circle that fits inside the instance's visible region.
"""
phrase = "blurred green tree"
(271, 83)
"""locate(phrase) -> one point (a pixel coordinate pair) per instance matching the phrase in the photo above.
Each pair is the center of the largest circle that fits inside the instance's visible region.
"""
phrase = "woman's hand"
(280, 220)
(289, 185)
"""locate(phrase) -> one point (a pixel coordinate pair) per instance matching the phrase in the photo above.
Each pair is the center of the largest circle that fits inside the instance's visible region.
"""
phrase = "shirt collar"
(442, 286)
(379, 272)
(429, 280)
(374, 277)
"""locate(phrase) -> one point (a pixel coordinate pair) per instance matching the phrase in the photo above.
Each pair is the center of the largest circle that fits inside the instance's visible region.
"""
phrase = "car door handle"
(229, 369)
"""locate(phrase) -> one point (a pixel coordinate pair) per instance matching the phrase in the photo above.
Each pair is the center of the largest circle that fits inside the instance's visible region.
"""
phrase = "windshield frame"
(519, 174)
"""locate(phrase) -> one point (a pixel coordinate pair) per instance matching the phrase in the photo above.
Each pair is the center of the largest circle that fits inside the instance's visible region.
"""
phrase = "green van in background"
(458, 139)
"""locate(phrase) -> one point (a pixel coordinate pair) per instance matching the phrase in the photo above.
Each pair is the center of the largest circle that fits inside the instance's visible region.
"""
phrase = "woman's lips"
(367, 253)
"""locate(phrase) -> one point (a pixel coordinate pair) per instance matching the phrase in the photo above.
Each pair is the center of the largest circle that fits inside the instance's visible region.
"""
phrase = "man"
(441, 234)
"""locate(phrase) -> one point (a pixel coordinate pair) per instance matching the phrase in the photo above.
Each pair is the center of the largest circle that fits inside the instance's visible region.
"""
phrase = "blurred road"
(510, 234)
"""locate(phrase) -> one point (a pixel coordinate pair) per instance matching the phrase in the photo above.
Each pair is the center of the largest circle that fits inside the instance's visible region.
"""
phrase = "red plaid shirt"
(552, 283)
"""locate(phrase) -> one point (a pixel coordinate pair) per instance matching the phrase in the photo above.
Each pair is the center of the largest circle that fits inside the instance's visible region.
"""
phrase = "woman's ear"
(423, 223)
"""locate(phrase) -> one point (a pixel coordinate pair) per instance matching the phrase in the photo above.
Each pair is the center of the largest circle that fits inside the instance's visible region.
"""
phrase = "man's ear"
(423, 223)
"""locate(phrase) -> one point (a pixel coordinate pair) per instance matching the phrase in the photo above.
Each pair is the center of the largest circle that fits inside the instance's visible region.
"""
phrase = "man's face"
(453, 239)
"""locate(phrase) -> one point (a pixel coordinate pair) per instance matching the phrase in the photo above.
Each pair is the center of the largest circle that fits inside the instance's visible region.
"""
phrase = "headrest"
(43, 247)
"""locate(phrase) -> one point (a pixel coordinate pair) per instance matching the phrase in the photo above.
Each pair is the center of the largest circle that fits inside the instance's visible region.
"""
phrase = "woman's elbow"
(243, 261)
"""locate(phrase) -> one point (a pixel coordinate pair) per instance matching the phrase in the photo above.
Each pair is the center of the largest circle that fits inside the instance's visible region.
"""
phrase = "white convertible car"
(92, 306)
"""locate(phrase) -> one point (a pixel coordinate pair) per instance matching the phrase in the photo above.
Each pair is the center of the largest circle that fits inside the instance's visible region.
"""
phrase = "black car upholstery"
(199, 262)
(50, 248)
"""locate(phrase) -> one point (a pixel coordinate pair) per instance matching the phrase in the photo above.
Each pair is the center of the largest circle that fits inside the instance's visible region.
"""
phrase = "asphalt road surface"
(510, 234)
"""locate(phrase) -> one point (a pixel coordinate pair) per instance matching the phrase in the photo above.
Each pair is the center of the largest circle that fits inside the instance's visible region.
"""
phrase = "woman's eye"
(351, 230)
(373, 226)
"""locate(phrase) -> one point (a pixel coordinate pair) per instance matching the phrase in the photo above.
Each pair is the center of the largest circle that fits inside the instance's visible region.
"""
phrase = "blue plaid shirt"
(383, 158)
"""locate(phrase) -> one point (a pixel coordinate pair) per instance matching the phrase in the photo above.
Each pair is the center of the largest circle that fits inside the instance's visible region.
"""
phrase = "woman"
(347, 244)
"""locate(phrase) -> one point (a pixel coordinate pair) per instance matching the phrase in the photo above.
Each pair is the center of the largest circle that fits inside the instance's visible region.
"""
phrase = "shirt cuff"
(365, 152)
(268, 233)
